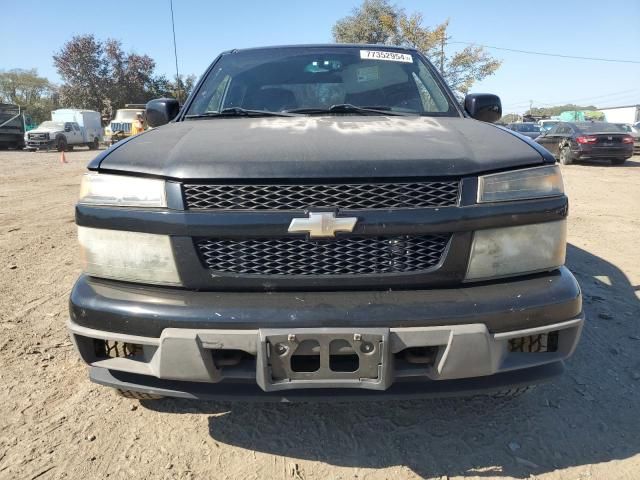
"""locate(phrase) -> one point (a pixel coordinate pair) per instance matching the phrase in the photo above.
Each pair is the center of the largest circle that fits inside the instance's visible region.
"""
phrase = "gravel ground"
(55, 424)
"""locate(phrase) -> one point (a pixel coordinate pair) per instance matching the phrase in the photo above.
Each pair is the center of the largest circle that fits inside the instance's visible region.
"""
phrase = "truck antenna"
(175, 51)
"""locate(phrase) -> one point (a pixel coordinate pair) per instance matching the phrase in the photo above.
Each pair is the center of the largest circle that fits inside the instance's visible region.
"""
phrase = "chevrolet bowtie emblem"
(322, 224)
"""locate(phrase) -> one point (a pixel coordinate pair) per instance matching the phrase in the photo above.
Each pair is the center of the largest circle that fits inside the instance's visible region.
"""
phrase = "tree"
(558, 109)
(99, 75)
(35, 94)
(180, 90)
(378, 21)
(82, 65)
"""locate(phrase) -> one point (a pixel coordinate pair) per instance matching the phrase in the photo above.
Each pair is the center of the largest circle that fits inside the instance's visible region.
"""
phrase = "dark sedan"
(570, 142)
(527, 129)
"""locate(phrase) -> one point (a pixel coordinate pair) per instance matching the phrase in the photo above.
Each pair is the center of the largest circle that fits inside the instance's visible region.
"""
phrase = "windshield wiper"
(241, 112)
(349, 108)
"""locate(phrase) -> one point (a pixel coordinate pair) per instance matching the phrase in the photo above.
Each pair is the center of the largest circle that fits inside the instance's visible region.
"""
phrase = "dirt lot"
(55, 424)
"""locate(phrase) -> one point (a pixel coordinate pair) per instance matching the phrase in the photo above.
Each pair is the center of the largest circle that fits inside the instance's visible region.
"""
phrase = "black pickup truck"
(323, 221)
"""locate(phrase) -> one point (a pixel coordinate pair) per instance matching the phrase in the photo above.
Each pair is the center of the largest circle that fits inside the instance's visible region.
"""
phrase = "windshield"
(127, 115)
(50, 124)
(317, 78)
(599, 127)
(526, 127)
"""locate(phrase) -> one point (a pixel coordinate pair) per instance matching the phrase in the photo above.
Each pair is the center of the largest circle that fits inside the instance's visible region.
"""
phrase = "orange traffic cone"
(62, 157)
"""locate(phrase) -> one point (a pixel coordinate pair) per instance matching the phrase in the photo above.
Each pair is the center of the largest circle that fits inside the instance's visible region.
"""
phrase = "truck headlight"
(122, 191)
(507, 251)
(128, 256)
(528, 183)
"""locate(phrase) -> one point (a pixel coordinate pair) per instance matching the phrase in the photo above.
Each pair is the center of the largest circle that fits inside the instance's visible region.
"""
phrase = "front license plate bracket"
(323, 358)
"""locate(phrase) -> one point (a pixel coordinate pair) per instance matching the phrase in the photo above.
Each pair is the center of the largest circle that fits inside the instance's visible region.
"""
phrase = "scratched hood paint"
(321, 147)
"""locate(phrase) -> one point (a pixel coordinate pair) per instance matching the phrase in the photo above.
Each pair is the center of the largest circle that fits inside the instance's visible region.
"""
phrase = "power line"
(546, 54)
(175, 49)
(622, 94)
(612, 94)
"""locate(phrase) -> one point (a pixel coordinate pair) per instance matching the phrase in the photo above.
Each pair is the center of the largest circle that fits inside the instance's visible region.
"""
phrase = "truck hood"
(321, 147)
(46, 130)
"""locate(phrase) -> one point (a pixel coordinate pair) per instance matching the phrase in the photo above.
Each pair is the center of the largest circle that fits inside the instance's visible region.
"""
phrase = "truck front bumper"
(40, 144)
(403, 343)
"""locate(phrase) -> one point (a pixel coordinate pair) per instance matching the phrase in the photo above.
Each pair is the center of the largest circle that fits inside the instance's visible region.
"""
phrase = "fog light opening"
(114, 349)
(543, 343)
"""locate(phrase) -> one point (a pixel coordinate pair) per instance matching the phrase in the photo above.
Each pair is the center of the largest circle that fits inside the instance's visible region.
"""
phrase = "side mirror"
(161, 111)
(483, 106)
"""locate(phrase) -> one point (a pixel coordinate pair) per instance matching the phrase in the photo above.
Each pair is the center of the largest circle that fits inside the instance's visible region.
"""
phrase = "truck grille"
(343, 256)
(120, 127)
(38, 136)
(355, 196)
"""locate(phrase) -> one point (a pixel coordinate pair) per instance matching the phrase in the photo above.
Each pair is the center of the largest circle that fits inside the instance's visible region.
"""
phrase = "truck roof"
(75, 110)
(325, 45)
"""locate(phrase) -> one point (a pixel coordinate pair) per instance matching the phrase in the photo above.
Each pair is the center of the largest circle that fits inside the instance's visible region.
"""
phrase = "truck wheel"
(94, 145)
(618, 161)
(69, 148)
(137, 395)
(61, 144)
(565, 156)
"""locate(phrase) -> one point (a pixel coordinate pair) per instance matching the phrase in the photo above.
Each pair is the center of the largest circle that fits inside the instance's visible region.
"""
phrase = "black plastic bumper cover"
(506, 305)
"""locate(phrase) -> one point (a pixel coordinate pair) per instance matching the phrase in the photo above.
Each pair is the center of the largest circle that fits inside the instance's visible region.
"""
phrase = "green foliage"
(35, 94)
(375, 22)
(557, 110)
(99, 75)
(594, 115)
(180, 90)
(378, 21)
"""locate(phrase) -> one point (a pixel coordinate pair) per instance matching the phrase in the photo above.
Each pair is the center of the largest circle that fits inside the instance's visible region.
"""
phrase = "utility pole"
(175, 53)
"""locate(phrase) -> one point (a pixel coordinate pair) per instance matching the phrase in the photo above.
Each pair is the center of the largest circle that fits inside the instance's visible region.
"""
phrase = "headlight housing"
(518, 250)
(128, 256)
(528, 183)
(122, 191)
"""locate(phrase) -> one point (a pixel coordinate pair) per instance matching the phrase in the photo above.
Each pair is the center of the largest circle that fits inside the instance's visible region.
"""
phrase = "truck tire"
(94, 145)
(61, 144)
(565, 155)
(137, 395)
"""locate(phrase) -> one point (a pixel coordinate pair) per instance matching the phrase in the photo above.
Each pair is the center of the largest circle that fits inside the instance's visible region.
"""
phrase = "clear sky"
(33, 30)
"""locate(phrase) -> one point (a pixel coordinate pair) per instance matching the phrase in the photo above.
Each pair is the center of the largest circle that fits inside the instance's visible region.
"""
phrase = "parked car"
(323, 221)
(570, 142)
(67, 129)
(634, 131)
(527, 129)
